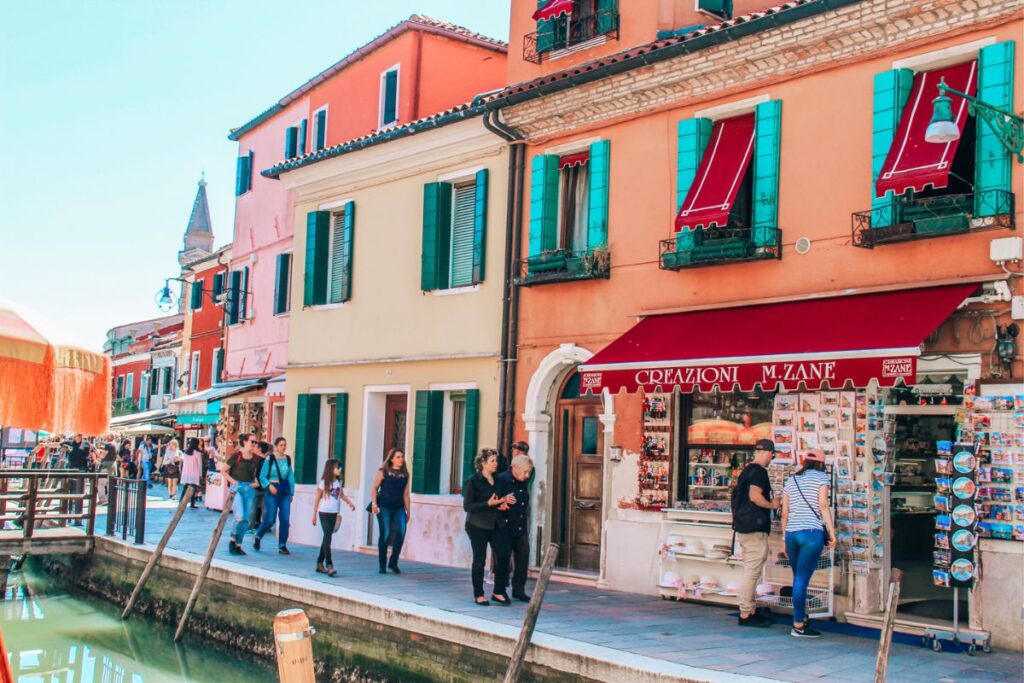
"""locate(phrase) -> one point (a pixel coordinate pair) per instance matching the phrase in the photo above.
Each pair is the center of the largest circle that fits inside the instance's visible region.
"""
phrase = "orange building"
(728, 203)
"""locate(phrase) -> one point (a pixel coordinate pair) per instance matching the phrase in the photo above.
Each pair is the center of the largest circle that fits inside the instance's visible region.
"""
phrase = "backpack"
(746, 517)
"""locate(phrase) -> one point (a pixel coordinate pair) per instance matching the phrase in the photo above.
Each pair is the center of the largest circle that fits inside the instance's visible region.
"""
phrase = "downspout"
(506, 402)
(417, 71)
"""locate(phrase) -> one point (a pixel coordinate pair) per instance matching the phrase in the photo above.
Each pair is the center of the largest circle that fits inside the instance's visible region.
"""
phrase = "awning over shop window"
(913, 163)
(123, 421)
(719, 175)
(275, 386)
(553, 9)
(813, 344)
(198, 402)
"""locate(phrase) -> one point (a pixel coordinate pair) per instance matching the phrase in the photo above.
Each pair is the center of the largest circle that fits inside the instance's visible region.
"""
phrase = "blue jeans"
(244, 505)
(147, 466)
(280, 507)
(390, 522)
(804, 550)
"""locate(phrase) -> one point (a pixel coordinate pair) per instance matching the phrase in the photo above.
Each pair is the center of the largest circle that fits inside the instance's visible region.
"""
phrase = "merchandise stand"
(955, 634)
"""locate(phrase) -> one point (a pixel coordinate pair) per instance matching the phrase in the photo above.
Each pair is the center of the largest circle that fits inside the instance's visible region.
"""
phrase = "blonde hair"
(173, 442)
(484, 455)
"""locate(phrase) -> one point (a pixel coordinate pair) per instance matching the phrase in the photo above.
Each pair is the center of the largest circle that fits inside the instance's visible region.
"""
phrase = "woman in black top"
(481, 503)
(389, 500)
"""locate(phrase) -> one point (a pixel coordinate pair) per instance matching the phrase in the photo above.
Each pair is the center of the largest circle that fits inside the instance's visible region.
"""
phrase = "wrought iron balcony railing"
(911, 218)
(709, 247)
(559, 265)
(568, 30)
(124, 406)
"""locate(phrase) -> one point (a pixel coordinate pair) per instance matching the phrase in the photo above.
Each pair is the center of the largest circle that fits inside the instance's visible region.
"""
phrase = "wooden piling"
(214, 540)
(293, 646)
(515, 665)
(885, 642)
(155, 557)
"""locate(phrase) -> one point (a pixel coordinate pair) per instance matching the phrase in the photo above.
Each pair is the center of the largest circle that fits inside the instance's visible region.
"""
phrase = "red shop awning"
(815, 343)
(719, 175)
(553, 9)
(913, 163)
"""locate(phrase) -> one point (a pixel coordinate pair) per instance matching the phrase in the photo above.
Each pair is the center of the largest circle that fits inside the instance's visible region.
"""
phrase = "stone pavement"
(687, 633)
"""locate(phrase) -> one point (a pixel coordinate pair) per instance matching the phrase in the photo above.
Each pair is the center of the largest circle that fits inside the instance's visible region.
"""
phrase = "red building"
(203, 352)
(130, 347)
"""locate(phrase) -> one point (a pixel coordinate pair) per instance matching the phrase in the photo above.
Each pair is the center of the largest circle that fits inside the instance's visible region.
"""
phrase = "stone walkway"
(696, 635)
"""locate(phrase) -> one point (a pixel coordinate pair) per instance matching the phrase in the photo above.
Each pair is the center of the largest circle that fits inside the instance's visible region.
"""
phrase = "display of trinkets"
(957, 524)
(995, 424)
(654, 465)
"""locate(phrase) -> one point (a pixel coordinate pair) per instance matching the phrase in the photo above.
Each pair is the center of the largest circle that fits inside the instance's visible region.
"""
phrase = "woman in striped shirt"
(806, 515)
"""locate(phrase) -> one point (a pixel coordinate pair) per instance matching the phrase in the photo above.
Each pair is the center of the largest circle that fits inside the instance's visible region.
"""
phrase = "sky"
(111, 109)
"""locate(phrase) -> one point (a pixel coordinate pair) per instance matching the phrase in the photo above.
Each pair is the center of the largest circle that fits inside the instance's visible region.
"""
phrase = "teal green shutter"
(767, 149)
(321, 130)
(218, 284)
(248, 171)
(471, 435)
(480, 227)
(307, 438)
(318, 228)
(437, 212)
(426, 453)
(543, 204)
(282, 275)
(390, 114)
(291, 142)
(340, 427)
(303, 128)
(234, 298)
(197, 295)
(347, 241)
(993, 170)
(218, 364)
(243, 295)
(607, 16)
(892, 88)
(243, 170)
(597, 216)
(692, 136)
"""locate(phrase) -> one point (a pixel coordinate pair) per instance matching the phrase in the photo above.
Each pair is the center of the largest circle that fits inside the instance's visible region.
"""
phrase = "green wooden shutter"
(307, 438)
(196, 290)
(692, 138)
(546, 31)
(543, 204)
(892, 88)
(437, 211)
(218, 365)
(318, 226)
(291, 142)
(303, 129)
(597, 212)
(281, 276)
(390, 114)
(607, 16)
(321, 129)
(218, 284)
(233, 297)
(426, 453)
(242, 174)
(480, 227)
(243, 295)
(340, 427)
(463, 224)
(471, 435)
(767, 150)
(248, 171)
(993, 162)
(347, 243)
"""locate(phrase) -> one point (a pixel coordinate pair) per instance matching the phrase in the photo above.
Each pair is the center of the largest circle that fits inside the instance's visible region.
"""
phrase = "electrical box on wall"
(1017, 308)
(1006, 249)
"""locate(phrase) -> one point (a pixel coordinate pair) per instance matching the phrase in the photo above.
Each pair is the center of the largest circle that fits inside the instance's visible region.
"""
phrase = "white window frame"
(448, 463)
(397, 68)
(129, 384)
(327, 115)
(298, 136)
(193, 376)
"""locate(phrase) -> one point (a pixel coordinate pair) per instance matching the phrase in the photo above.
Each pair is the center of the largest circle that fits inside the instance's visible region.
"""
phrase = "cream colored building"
(389, 345)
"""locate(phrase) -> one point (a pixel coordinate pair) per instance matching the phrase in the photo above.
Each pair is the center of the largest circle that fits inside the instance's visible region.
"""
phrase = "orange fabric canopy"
(44, 385)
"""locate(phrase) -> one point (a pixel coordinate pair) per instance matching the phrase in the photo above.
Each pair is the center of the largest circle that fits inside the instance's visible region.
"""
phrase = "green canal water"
(53, 636)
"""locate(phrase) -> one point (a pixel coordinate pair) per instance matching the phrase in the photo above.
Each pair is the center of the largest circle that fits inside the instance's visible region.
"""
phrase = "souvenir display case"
(654, 466)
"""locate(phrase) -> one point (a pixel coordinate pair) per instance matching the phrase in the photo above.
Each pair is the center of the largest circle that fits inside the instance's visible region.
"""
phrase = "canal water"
(53, 636)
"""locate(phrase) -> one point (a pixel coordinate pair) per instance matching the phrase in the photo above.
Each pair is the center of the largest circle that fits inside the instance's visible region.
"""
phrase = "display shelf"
(702, 486)
(683, 557)
(716, 598)
(694, 463)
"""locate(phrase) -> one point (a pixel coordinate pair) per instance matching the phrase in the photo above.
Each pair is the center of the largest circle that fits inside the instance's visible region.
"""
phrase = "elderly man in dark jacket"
(516, 523)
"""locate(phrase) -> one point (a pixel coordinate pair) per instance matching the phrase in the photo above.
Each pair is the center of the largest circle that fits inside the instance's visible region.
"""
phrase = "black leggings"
(327, 522)
(479, 539)
(191, 503)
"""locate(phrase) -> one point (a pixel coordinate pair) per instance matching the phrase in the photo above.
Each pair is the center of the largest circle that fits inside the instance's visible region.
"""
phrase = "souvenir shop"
(891, 422)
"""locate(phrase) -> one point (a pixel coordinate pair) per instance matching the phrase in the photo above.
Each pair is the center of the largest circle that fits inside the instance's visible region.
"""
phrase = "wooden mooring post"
(293, 647)
(155, 557)
(204, 570)
(885, 642)
(515, 665)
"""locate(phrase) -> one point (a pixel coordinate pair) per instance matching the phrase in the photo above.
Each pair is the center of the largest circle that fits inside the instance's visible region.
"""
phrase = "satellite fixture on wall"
(803, 245)
(166, 301)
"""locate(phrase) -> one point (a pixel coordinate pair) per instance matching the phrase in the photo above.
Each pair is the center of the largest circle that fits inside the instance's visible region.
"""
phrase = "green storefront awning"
(197, 419)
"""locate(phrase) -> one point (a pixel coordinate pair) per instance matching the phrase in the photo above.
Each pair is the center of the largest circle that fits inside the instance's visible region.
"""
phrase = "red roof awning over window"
(816, 343)
(913, 163)
(553, 9)
(719, 175)
(574, 160)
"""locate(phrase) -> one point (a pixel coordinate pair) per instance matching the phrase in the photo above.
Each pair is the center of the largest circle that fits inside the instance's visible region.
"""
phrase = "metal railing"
(560, 265)
(38, 499)
(123, 406)
(568, 30)
(912, 218)
(126, 508)
(714, 246)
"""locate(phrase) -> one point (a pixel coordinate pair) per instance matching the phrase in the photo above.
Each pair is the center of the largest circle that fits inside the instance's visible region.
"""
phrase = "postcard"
(828, 437)
(810, 402)
(782, 435)
(843, 470)
(830, 424)
(844, 449)
(787, 401)
(1018, 533)
(785, 418)
(829, 411)
(846, 419)
(846, 399)
(806, 441)
(807, 422)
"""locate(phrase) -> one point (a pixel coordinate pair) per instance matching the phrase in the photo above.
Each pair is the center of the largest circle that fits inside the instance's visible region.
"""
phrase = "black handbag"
(824, 529)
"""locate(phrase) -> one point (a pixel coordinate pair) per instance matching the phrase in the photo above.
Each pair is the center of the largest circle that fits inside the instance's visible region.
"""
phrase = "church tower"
(198, 241)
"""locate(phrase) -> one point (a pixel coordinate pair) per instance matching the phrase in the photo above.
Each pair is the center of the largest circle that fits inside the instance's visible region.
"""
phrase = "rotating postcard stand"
(956, 538)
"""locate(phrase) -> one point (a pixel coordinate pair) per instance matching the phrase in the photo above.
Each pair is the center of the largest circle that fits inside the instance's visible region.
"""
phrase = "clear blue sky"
(110, 109)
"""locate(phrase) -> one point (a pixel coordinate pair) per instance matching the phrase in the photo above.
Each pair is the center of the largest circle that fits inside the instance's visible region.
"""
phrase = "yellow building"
(396, 303)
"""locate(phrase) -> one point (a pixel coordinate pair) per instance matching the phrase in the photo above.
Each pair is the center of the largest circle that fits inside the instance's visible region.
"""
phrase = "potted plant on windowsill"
(547, 261)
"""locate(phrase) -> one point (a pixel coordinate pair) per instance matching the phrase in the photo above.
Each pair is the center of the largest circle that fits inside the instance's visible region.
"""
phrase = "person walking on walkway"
(514, 518)
(389, 500)
(127, 460)
(278, 478)
(240, 472)
(172, 468)
(144, 456)
(752, 506)
(327, 506)
(807, 522)
(262, 450)
(481, 502)
(191, 469)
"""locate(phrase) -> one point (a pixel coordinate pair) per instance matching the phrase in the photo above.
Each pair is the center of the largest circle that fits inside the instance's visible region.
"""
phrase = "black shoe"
(331, 571)
(283, 550)
(755, 620)
(804, 631)
(481, 601)
(235, 549)
(256, 543)
(382, 570)
(501, 599)
(523, 597)
(395, 569)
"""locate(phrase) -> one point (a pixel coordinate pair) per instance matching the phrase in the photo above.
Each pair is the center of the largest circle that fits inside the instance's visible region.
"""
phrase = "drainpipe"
(509, 301)
(417, 71)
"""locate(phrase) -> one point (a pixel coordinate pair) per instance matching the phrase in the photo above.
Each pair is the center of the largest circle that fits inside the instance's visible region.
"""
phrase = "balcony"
(559, 265)
(124, 406)
(716, 246)
(568, 31)
(923, 218)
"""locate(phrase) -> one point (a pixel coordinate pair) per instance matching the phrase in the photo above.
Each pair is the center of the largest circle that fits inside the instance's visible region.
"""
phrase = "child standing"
(329, 494)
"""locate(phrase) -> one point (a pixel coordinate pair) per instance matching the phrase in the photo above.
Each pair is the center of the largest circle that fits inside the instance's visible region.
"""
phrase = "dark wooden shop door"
(579, 452)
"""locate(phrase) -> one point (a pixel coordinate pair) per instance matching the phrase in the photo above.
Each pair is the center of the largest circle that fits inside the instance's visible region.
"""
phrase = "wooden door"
(580, 481)
(394, 423)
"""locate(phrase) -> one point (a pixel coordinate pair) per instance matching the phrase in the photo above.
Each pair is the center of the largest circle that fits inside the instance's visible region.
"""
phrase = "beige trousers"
(755, 554)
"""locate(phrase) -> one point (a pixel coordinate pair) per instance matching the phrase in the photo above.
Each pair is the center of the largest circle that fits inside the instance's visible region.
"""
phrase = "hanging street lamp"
(1008, 127)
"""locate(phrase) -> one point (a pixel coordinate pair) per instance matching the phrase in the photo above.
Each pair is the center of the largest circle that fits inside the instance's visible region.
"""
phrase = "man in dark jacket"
(515, 523)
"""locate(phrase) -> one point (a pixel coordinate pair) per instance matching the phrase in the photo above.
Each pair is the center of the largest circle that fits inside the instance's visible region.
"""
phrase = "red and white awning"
(552, 9)
(813, 344)
(719, 175)
(913, 163)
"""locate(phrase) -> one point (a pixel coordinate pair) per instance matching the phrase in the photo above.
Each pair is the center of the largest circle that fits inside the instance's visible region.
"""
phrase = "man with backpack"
(752, 507)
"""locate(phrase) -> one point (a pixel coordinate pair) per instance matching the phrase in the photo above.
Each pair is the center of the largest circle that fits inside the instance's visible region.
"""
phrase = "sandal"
(482, 601)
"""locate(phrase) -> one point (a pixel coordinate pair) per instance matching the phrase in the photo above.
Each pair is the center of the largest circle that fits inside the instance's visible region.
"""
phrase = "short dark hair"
(242, 439)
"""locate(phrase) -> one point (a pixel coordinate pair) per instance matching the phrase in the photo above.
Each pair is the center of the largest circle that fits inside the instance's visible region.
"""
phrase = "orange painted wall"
(454, 72)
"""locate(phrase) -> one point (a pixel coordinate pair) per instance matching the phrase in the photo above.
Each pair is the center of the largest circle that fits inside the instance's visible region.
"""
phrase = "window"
(389, 97)
(193, 377)
(119, 393)
(329, 256)
(721, 9)
(154, 382)
(457, 445)
(454, 233)
(573, 203)
(312, 411)
(217, 367)
(234, 302)
(282, 284)
(197, 295)
(338, 258)
(243, 174)
(445, 439)
(129, 385)
(562, 25)
(320, 129)
(291, 142)
(167, 377)
(218, 285)
(303, 133)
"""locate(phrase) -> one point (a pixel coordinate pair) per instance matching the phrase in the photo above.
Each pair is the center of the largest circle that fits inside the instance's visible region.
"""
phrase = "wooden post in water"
(515, 666)
(214, 540)
(887, 625)
(293, 646)
(155, 557)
